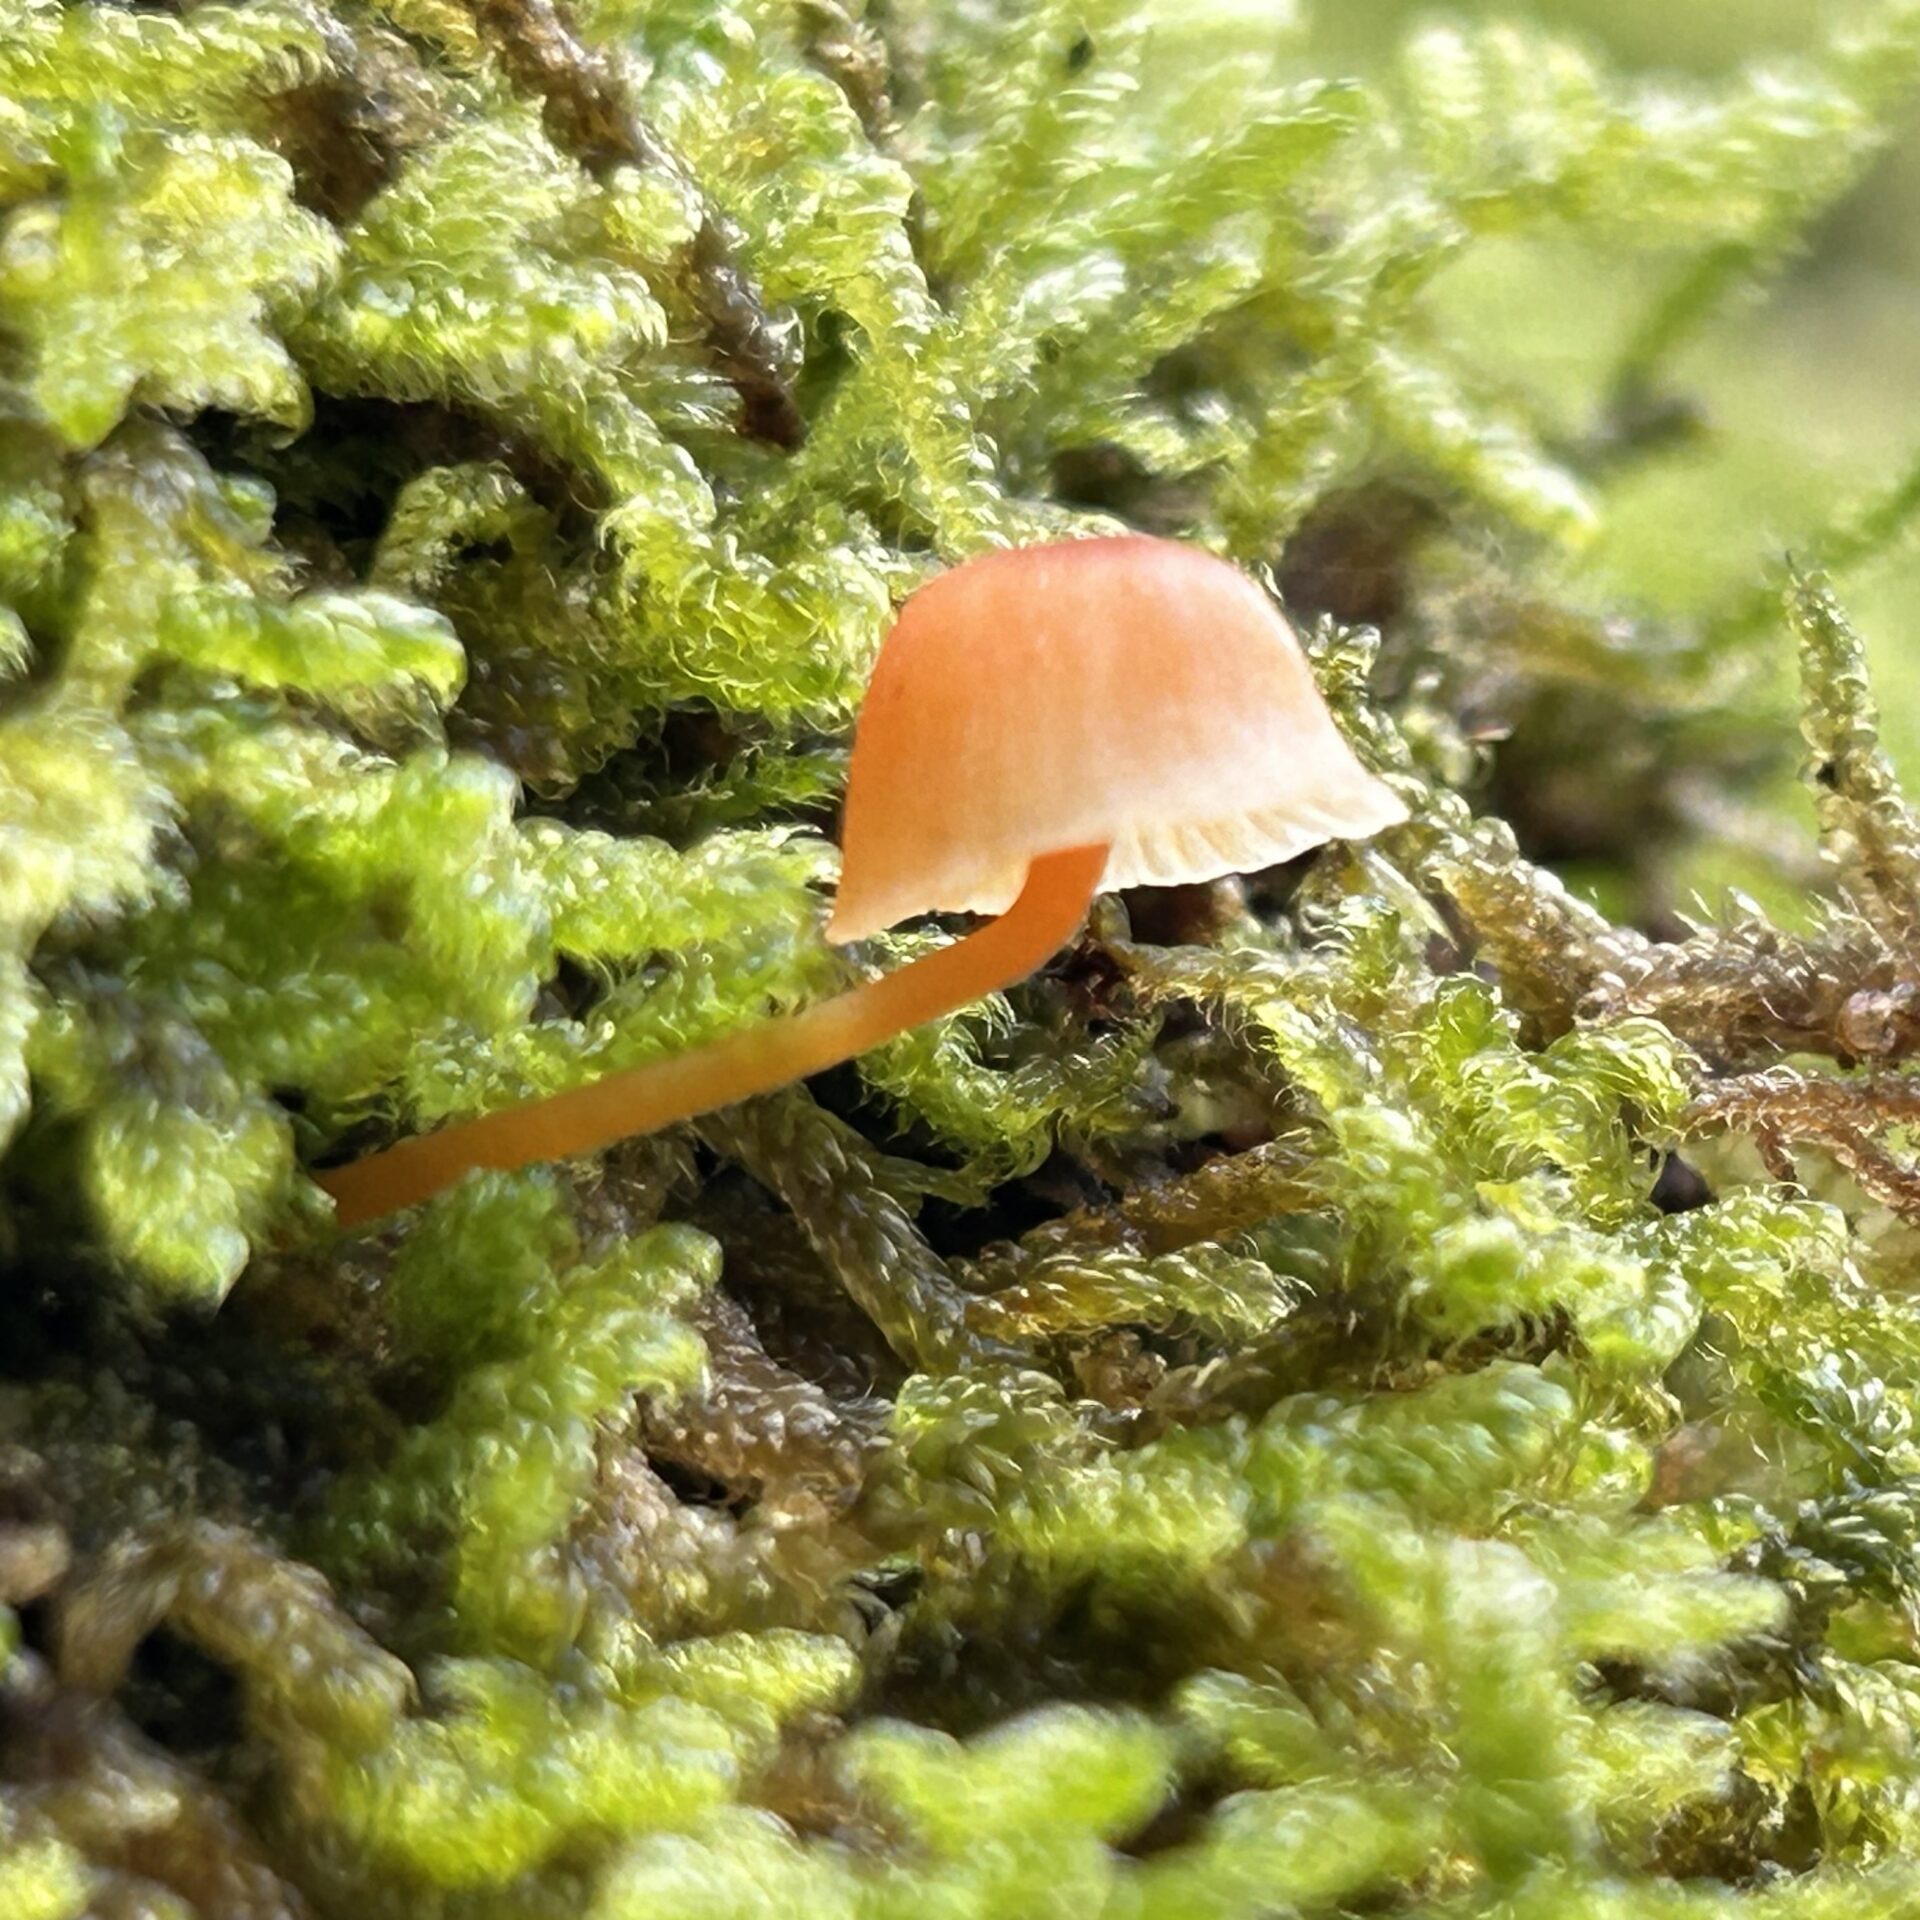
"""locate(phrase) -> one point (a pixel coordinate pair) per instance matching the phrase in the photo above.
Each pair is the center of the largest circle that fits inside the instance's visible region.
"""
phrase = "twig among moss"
(590, 112)
(756, 1427)
(1748, 992)
(842, 45)
(674, 1566)
(1228, 1194)
(1780, 1105)
(1551, 949)
(248, 1607)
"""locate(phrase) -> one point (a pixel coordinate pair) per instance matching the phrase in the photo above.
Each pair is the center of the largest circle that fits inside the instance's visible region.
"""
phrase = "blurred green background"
(1809, 391)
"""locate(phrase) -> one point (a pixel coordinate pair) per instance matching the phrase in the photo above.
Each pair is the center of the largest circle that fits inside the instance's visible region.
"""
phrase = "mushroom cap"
(1127, 691)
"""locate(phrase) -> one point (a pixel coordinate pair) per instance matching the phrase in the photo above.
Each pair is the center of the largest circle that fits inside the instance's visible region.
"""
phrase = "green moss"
(42, 1880)
(1381, 1386)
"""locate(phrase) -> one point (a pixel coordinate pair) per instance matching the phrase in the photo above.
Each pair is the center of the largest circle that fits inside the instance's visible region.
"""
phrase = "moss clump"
(1383, 1385)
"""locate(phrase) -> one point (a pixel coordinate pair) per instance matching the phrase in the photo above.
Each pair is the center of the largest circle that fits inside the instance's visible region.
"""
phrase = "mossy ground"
(1380, 1388)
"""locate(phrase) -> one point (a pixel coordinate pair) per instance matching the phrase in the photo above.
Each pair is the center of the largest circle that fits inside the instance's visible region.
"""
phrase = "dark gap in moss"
(693, 771)
(619, 795)
(180, 1698)
(45, 649)
(1351, 556)
(1027, 1648)
(330, 134)
(1011, 1210)
(829, 358)
(892, 1587)
(1679, 1187)
(1189, 1156)
(710, 1170)
(1110, 480)
(514, 710)
(39, 1321)
(39, 1627)
(693, 741)
(416, 1392)
(1452, 951)
(1743, 1838)
(259, 1412)
(1101, 476)
(326, 513)
(362, 1137)
(1529, 1337)
(1578, 787)
(1181, 1819)
(1099, 984)
(841, 1092)
(692, 1488)
(1376, 1905)
(804, 1318)
(53, 1304)
(1763, 1831)
(494, 552)
(571, 991)
(342, 499)
(1065, 1183)
(1272, 889)
(1188, 916)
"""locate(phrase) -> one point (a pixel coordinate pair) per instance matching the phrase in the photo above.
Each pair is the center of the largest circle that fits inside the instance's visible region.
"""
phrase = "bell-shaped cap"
(1129, 692)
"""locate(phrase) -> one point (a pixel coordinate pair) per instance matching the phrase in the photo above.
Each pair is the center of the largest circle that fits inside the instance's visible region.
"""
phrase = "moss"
(1374, 1385)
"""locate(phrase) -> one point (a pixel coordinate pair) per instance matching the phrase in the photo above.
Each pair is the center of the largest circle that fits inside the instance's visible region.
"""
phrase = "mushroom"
(1042, 723)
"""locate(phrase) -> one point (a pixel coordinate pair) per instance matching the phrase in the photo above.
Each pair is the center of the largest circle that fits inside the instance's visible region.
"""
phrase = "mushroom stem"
(1054, 900)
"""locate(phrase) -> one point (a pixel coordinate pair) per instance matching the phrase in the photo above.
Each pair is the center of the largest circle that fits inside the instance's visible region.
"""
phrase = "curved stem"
(1059, 888)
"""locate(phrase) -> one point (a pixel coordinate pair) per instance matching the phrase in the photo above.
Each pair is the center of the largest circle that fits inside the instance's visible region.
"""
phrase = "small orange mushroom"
(1041, 723)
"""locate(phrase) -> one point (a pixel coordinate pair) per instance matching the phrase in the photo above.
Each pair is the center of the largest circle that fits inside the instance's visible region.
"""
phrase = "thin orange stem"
(1059, 888)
